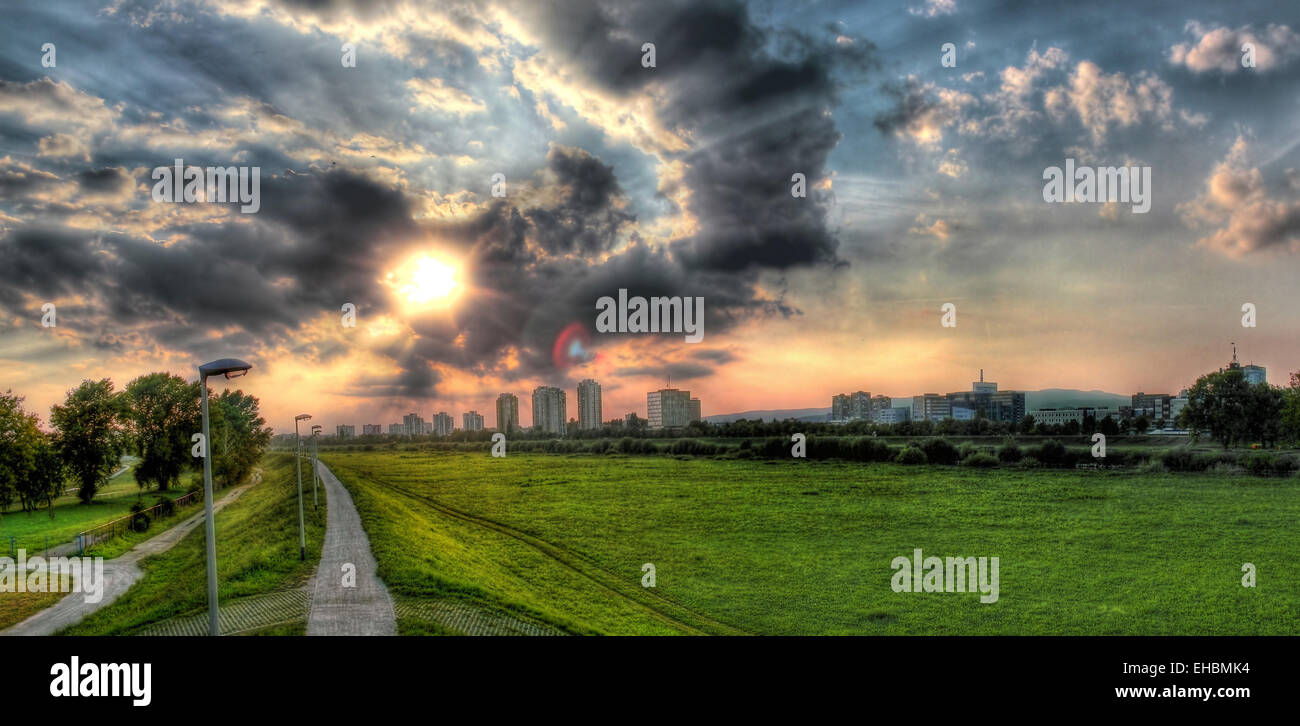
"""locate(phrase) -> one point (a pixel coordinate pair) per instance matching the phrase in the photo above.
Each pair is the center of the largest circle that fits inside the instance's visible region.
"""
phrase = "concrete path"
(119, 574)
(361, 604)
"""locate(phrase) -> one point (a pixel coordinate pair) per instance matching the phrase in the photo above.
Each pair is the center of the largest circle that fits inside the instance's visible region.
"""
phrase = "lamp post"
(297, 457)
(315, 498)
(230, 368)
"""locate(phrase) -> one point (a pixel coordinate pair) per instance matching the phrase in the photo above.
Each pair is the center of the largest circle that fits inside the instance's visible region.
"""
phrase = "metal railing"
(122, 525)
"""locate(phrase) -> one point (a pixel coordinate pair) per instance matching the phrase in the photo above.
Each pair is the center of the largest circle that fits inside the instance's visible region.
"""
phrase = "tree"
(1108, 426)
(1291, 409)
(89, 435)
(163, 413)
(1233, 411)
(16, 458)
(1027, 424)
(30, 469)
(239, 435)
(1141, 424)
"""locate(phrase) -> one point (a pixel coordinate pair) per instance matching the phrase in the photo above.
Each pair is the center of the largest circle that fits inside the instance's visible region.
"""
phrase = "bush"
(965, 449)
(139, 518)
(911, 455)
(1009, 453)
(1029, 462)
(939, 451)
(1264, 464)
(166, 507)
(1184, 460)
(868, 448)
(980, 460)
(1051, 453)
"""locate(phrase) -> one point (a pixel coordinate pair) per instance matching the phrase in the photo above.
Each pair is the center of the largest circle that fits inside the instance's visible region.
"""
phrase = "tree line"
(154, 417)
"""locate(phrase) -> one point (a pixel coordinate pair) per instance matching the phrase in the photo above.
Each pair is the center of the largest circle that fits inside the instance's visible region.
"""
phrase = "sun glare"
(427, 281)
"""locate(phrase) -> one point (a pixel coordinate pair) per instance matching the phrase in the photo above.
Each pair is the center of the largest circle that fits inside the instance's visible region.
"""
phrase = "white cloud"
(933, 8)
(1221, 48)
(1247, 217)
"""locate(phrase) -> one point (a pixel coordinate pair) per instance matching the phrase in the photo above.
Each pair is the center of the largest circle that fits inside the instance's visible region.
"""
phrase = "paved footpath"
(361, 605)
(120, 573)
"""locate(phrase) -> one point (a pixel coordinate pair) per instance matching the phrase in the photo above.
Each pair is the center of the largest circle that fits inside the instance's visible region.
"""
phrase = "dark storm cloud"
(678, 371)
(586, 220)
(110, 180)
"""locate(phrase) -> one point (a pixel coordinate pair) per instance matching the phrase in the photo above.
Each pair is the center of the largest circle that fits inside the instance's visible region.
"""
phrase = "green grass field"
(804, 547)
(113, 501)
(257, 552)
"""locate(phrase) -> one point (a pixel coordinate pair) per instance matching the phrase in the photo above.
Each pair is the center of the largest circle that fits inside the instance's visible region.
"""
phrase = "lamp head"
(228, 367)
(302, 417)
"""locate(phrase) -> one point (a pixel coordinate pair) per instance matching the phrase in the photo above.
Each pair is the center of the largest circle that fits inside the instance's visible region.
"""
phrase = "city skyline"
(440, 225)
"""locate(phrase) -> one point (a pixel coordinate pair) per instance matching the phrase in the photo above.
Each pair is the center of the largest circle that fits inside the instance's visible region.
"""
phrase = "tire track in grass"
(660, 608)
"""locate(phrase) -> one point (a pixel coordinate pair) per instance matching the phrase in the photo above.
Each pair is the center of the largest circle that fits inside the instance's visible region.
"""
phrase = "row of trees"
(1224, 406)
(155, 417)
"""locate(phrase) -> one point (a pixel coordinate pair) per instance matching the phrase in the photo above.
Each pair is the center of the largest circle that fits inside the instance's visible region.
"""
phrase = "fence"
(122, 525)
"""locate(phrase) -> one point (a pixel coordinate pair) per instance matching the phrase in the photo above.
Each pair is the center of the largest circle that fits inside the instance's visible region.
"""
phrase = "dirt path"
(119, 574)
(347, 596)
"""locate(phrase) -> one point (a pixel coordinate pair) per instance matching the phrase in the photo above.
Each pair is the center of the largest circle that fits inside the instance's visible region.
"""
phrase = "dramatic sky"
(925, 187)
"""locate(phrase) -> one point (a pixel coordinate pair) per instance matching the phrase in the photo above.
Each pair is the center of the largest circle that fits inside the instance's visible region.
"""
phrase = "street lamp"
(230, 368)
(297, 457)
(315, 498)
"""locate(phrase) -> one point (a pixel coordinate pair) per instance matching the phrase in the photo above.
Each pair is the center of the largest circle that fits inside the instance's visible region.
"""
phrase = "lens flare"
(572, 346)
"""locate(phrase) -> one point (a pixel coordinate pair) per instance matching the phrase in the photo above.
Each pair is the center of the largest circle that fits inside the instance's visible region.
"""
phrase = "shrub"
(1184, 460)
(1153, 467)
(965, 449)
(939, 451)
(1009, 453)
(980, 460)
(1029, 462)
(1051, 453)
(911, 455)
(166, 507)
(867, 448)
(139, 518)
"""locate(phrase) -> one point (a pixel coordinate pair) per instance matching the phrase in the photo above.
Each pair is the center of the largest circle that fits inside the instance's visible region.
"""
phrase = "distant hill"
(1070, 398)
(780, 414)
(1046, 398)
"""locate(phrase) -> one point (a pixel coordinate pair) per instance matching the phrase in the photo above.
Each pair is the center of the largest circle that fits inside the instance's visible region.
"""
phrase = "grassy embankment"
(257, 552)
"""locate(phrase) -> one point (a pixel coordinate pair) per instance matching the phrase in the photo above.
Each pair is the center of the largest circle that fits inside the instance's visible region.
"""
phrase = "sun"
(427, 281)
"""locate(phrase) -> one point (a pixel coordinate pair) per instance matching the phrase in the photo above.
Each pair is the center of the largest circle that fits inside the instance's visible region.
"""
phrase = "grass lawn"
(804, 547)
(16, 607)
(257, 552)
(71, 517)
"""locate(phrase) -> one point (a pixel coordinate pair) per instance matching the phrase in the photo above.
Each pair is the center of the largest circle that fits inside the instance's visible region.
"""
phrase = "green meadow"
(804, 547)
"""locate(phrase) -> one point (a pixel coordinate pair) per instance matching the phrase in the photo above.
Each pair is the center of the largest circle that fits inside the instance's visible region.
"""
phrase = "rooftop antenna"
(981, 375)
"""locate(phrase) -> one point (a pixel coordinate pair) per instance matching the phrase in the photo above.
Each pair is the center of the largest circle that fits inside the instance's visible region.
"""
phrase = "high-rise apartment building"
(443, 424)
(507, 412)
(414, 424)
(693, 413)
(589, 404)
(371, 429)
(472, 421)
(344, 431)
(668, 408)
(549, 409)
